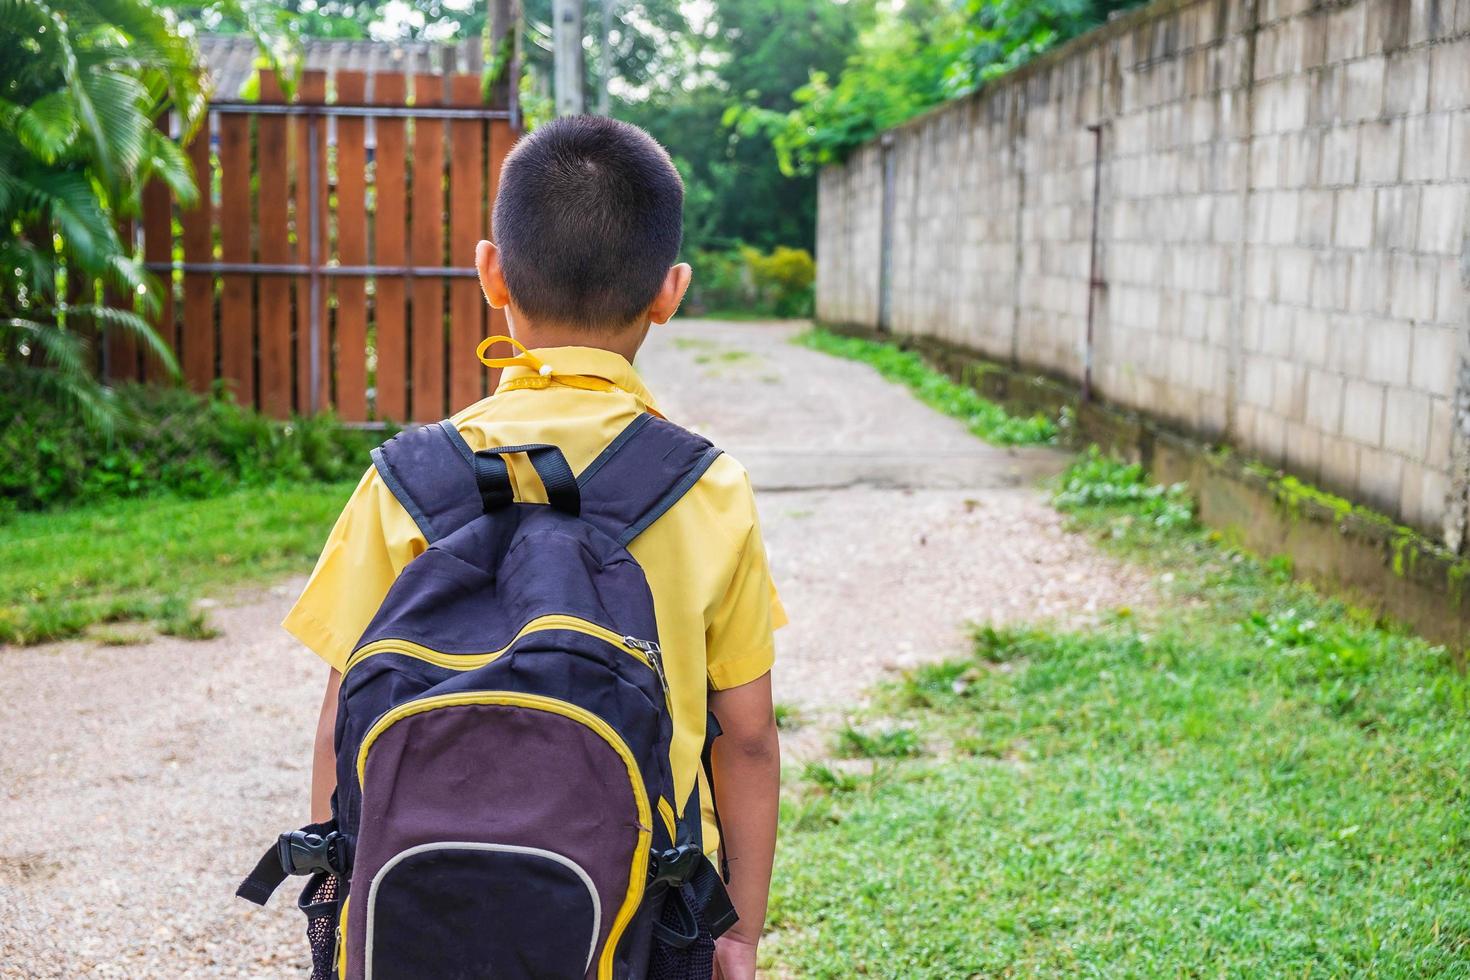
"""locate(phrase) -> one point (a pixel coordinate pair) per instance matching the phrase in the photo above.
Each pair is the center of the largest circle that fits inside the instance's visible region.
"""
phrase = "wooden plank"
(158, 247)
(389, 191)
(466, 227)
(236, 303)
(502, 138)
(274, 291)
(351, 353)
(311, 91)
(81, 291)
(196, 336)
(121, 355)
(427, 249)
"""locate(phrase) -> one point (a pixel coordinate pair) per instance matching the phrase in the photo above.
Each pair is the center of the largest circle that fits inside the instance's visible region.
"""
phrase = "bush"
(745, 280)
(782, 280)
(166, 439)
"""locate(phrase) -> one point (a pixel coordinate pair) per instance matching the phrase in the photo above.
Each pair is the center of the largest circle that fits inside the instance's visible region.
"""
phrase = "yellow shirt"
(704, 559)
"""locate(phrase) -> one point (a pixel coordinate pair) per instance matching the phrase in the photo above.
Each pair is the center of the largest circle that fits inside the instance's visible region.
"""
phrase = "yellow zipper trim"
(342, 940)
(469, 661)
(666, 810)
(639, 871)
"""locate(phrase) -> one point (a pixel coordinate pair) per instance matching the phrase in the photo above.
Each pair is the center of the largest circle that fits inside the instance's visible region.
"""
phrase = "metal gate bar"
(370, 111)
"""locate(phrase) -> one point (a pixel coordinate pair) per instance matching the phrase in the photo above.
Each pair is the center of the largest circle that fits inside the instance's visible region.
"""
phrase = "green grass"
(983, 417)
(883, 743)
(788, 716)
(149, 559)
(1251, 780)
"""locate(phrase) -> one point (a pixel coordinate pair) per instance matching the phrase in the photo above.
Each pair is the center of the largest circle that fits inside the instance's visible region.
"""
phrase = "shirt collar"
(588, 361)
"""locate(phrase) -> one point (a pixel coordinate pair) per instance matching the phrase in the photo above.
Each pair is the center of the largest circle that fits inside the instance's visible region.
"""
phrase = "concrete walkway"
(137, 784)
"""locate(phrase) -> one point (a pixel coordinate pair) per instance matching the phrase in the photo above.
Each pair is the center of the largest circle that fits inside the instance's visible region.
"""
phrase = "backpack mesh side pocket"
(320, 902)
(683, 948)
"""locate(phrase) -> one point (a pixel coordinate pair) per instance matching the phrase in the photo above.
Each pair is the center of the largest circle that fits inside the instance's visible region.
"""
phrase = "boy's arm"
(324, 755)
(373, 539)
(747, 771)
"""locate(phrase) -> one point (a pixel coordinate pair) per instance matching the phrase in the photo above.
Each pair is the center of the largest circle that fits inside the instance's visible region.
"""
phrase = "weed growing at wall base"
(984, 418)
(1242, 779)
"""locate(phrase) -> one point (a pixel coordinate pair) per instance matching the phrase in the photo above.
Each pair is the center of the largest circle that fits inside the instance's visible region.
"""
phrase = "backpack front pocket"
(469, 909)
(503, 835)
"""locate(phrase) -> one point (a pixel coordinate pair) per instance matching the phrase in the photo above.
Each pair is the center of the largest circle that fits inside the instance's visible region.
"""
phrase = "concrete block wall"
(848, 245)
(1280, 215)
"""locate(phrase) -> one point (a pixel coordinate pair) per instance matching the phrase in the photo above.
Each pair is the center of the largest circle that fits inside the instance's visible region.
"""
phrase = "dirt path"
(138, 783)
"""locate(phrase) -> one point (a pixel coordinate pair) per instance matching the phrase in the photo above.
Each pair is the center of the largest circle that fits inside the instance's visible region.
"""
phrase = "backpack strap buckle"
(315, 848)
(674, 866)
(304, 852)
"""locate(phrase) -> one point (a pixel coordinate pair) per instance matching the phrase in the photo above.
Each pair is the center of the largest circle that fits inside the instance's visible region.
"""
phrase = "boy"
(588, 224)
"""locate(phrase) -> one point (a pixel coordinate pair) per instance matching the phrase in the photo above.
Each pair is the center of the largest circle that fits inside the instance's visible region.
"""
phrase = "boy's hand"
(734, 959)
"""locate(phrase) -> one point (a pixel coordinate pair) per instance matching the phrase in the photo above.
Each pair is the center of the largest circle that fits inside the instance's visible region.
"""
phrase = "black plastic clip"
(302, 852)
(674, 866)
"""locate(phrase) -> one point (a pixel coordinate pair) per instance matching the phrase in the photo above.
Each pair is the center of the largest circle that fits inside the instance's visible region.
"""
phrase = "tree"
(747, 53)
(915, 57)
(82, 85)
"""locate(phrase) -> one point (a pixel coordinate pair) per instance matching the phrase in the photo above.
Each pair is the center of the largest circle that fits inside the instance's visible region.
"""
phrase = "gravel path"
(138, 784)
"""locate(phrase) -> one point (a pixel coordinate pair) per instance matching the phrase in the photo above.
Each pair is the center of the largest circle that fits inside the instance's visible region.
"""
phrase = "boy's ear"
(492, 278)
(671, 293)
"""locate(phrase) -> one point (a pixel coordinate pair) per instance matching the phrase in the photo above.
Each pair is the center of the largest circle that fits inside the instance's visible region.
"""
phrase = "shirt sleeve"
(372, 541)
(740, 640)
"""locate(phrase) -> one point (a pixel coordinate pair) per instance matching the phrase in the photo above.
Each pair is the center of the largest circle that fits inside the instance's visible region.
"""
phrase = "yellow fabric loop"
(524, 359)
(583, 381)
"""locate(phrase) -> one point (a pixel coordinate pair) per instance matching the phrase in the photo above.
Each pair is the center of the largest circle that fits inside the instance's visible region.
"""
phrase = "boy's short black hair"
(588, 221)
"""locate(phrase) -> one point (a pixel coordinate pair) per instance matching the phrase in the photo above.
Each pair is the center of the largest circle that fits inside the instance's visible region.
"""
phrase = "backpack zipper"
(652, 659)
(654, 654)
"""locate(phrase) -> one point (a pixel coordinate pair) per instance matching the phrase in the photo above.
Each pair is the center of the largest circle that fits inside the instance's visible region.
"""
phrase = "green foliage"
(165, 440)
(883, 743)
(983, 417)
(1096, 479)
(178, 617)
(742, 53)
(746, 280)
(788, 717)
(913, 57)
(1250, 776)
(80, 90)
(151, 558)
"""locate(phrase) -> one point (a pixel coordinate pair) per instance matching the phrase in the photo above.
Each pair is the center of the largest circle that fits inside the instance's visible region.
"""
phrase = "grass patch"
(1249, 780)
(885, 743)
(788, 716)
(983, 417)
(149, 559)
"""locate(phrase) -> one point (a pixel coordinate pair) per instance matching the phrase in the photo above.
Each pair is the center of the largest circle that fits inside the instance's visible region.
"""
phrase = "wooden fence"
(329, 264)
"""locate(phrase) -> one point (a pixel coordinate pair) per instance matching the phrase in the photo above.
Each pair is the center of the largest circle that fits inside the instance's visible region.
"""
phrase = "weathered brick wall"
(1282, 188)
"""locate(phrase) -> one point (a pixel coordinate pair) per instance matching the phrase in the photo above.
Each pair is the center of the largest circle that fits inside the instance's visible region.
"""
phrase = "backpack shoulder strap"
(642, 473)
(430, 469)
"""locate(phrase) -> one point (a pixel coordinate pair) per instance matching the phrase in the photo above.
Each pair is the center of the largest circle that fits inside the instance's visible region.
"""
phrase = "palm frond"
(61, 391)
(47, 127)
(168, 162)
(59, 349)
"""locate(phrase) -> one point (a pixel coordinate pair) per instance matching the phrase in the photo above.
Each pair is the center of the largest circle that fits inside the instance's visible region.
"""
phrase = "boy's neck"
(625, 341)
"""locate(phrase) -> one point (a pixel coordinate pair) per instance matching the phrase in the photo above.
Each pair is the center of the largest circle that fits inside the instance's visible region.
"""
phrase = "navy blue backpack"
(505, 806)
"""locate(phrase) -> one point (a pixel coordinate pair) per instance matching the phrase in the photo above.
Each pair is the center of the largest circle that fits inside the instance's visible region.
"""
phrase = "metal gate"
(329, 264)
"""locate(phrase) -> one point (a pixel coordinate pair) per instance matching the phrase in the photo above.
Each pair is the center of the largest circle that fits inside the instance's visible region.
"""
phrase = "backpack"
(505, 803)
